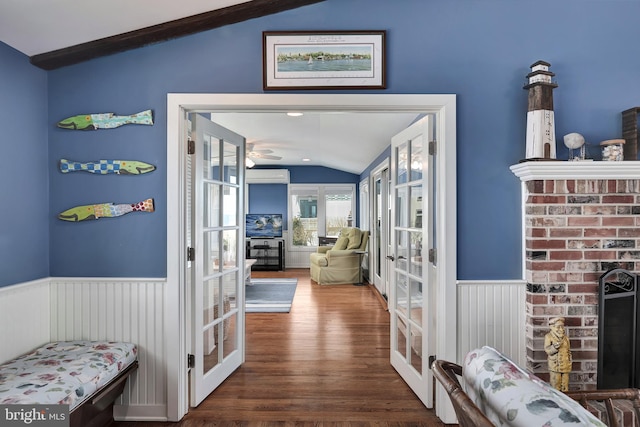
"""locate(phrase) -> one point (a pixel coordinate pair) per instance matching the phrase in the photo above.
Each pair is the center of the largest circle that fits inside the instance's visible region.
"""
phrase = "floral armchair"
(340, 263)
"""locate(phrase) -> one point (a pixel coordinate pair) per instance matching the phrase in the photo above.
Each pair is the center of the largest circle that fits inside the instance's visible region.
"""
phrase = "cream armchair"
(339, 264)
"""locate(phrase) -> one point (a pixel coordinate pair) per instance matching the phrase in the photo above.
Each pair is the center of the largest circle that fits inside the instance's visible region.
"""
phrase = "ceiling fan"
(255, 154)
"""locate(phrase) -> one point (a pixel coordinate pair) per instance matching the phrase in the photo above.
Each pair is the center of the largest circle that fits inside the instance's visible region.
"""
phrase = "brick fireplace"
(580, 219)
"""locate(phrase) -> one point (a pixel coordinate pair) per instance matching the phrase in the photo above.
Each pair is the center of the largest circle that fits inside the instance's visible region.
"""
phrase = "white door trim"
(445, 108)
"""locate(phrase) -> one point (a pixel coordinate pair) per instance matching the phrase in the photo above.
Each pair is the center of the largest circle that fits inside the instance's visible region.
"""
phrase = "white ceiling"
(344, 141)
(339, 140)
(39, 26)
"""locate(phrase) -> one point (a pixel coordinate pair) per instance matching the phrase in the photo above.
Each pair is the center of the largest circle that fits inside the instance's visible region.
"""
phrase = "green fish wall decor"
(104, 167)
(105, 210)
(105, 121)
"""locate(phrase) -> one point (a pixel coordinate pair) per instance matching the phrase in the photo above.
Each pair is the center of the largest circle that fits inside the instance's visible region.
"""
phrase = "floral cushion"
(510, 396)
(64, 372)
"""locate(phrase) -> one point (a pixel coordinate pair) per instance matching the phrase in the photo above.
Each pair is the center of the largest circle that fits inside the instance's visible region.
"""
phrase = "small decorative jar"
(613, 150)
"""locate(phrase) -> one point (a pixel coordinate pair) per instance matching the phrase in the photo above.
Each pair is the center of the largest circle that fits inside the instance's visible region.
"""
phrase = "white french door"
(380, 230)
(216, 232)
(411, 304)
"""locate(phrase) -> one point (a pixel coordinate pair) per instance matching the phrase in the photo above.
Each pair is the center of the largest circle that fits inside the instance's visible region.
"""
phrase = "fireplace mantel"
(541, 170)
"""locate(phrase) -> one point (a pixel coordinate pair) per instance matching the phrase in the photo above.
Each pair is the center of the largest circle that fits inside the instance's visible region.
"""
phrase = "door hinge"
(191, 254)
(433, 253)
(191, 361)
(191, 146)
(433, 148)
(431, 360)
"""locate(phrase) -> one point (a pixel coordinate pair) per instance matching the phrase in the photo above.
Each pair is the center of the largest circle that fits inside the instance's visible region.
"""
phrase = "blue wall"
(479, 50)
(24, 179)
(269, 199)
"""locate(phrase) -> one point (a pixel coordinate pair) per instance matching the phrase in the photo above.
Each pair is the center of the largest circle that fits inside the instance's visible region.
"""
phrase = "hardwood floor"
(326, 363)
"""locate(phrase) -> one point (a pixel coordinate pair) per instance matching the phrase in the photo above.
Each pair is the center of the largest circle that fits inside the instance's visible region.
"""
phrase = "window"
(320, 210)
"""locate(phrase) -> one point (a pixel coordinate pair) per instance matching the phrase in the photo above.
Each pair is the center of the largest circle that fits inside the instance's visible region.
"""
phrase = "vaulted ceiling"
(55, 33)
(59, 33)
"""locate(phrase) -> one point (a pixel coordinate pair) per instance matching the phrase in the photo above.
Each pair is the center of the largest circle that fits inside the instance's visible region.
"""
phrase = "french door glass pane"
(415, 314)
(213, 260)
(416, 160)
(402, 158)
(212, 322)
(338, 213)
(211, 169)
(305, 219)
(402, 239)
(402, 208)
(211, 204)
(229, 202)
(229, 286)
(230, 166)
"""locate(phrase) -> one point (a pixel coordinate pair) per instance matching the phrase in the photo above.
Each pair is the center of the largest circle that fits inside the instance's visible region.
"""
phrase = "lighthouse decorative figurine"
(541, 129)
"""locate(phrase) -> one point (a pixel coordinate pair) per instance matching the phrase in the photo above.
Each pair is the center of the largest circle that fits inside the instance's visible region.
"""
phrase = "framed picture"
(323, 59)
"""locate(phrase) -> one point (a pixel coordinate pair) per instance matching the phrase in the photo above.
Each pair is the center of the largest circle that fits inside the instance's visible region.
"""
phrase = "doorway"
(444, 108)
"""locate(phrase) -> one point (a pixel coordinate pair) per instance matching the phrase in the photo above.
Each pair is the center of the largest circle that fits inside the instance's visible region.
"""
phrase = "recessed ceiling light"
(306, 159)
(295, 114)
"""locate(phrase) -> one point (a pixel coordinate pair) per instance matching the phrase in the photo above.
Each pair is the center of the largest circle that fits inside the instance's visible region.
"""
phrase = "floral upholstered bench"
(508, 395)
(496, 392)
(86, 375)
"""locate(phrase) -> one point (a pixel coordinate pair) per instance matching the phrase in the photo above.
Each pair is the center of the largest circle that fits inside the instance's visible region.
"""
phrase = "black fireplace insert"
(618, 364)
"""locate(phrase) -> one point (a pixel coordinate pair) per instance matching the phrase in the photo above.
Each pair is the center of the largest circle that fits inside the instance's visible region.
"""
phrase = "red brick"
(536, 232)
(547, 266)
(558, 255)
(582, 288)
(565, 232)
(548, 244)
(584, 355)
(618, 221)
(597, 255)
(548, 200)
(591, 277)
(583, 221)
(620, 199)
(535, 187)
(550, 186)
(600, 232)
(537, 299)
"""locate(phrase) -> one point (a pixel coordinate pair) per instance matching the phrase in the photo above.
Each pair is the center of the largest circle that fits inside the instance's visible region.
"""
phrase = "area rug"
(270, 295)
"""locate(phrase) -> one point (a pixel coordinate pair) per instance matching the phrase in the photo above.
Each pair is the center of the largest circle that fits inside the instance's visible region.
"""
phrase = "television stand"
(268, 253)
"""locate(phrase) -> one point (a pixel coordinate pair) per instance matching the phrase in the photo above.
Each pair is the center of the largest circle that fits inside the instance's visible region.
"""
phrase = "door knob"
(391, 257)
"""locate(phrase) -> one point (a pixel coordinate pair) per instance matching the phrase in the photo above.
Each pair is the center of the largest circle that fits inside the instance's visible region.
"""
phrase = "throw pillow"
(341, 243)
(355, 238)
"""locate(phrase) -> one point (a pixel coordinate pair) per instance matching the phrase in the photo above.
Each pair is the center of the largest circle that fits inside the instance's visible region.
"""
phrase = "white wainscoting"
(492, 313)
(125, 310)
(297, 259)
(24, 318)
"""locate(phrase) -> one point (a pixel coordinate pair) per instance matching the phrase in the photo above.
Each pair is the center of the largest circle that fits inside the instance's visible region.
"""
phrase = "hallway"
(326, 363)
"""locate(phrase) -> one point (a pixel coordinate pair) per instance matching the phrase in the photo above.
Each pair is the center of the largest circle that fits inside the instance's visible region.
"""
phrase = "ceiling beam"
(162, 32)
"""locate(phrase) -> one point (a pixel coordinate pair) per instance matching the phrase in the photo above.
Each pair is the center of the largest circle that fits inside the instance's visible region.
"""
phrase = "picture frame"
(323, 60)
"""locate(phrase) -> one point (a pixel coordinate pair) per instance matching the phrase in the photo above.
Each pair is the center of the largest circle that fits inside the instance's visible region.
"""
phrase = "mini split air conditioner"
(267, 176)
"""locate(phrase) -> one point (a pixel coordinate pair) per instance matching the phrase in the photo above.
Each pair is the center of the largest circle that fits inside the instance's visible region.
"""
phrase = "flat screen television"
(263, 226)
